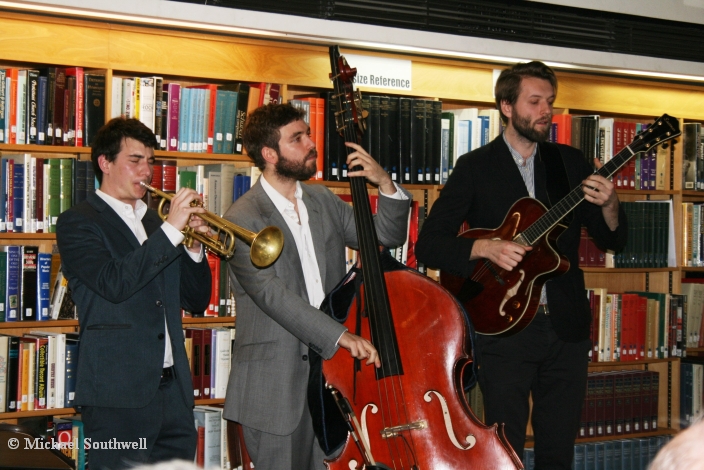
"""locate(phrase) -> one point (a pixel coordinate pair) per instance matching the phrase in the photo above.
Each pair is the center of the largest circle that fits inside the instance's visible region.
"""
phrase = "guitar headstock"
(348, 101)
(663, 129)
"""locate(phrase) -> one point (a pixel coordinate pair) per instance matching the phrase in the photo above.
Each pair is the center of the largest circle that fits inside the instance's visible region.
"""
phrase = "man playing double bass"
(278, 319)
(548, 359)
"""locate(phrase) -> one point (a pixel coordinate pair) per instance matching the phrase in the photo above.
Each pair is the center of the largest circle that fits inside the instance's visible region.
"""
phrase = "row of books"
(622, 454)
(692, 234)
(691, 392)
(51, 106)
(40, 371)
(219, 184)
(209, 353)
(411, 138)
(64, 434)
(25, 280)
(619, 403)
(692, 157)
(650, 236)
(634, 326)
(205, 118)
(604, 138)
(34, 191)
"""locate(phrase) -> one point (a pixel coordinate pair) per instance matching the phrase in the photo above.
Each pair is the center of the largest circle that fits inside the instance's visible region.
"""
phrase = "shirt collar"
(123, 209)
(517, 157)
(280, 202)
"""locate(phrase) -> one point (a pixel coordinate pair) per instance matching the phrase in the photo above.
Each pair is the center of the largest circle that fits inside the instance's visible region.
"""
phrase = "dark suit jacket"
(275, 322)
(122, 292)
(484, 184)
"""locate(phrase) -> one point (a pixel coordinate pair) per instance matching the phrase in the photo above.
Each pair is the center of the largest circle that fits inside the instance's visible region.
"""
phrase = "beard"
(299, 171)
(527, 130)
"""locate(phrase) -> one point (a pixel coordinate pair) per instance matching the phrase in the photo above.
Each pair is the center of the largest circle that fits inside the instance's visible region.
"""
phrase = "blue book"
(609, 447)
(618, 452)
(71, 369)
(246, 184)
(484, 133)
(600, 459)
(529, 459)
(626, 454)
(590, 456)
(41, 110)
(18, 196)
(43, 280)
(643, 453)
(580, 462)
(655, 445)
(238, 187)
(12, 282)
(182, 120)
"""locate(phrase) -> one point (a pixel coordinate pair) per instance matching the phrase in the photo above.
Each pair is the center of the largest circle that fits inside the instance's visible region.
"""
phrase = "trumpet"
(265, 246)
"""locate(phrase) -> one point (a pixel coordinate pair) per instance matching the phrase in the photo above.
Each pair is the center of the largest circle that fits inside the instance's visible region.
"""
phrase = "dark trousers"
(535, 362)
(165, 425)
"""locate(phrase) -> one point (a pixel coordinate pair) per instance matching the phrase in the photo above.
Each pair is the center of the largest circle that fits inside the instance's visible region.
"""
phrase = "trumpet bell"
(266, 247)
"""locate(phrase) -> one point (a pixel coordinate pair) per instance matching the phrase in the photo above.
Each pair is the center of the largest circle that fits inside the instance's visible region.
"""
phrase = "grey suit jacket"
(123, 291)
(275, 323)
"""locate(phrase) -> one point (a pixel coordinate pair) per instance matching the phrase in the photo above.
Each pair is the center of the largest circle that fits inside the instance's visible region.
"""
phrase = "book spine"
(32, 109)
(94, 106)
(172, 135)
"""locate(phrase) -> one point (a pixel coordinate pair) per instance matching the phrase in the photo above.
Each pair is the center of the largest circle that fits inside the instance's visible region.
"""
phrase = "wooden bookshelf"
(193, 57)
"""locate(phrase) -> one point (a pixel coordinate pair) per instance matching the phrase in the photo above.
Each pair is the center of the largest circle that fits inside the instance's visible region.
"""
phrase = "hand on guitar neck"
(600, 191)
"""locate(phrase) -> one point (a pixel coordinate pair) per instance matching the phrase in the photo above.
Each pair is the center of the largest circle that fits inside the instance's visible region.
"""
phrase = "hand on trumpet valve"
(182, 213)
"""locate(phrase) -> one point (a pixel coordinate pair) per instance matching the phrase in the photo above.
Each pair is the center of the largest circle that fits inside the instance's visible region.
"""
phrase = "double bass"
(410, 413)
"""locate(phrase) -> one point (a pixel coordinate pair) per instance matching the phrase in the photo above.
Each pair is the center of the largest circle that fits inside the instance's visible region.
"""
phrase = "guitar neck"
(567, 204)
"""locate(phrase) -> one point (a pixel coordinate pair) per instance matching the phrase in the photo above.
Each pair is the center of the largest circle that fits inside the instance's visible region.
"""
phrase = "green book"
(186, 179)
(65, 183)
(54, 193)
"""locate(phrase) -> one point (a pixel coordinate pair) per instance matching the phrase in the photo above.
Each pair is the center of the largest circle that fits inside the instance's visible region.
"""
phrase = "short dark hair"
(262, 129)
(508, 85)
(108, 140)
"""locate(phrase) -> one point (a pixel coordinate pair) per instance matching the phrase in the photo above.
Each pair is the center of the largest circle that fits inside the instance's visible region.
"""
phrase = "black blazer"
(123, 291)
(484, 184)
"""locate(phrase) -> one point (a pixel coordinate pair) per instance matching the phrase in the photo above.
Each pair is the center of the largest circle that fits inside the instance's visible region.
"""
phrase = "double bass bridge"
(394, 431)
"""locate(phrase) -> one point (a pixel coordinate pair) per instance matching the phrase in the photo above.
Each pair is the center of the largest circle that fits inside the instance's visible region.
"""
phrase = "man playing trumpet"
(129, 278)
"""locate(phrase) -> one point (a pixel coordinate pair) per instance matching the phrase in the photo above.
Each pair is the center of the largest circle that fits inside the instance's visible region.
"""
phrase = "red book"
(564, 128)
(619, 395)
(411, 260)
(158, 175)
(583, 259)
(636, 401)
(214, 264)
(641, 314)
(654, 397)
(205, 358)
(196, 335)
(200, 447)
(600, 392)
(11, 105)
(169, 174)
(609, 403)
(595, 326)
(39, 201)
(78, 111)
(172, 110)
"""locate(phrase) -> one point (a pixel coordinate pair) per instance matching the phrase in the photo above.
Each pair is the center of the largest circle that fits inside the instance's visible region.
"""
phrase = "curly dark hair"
(262, 129)
(108, 140)
(508, 85)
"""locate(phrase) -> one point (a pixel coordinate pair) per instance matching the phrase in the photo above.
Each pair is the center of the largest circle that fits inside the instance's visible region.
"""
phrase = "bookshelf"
(191, 57)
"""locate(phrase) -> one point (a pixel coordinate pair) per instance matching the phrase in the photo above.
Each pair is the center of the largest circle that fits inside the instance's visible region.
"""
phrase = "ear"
(270, 156)
(104, 165)
(506, 109)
